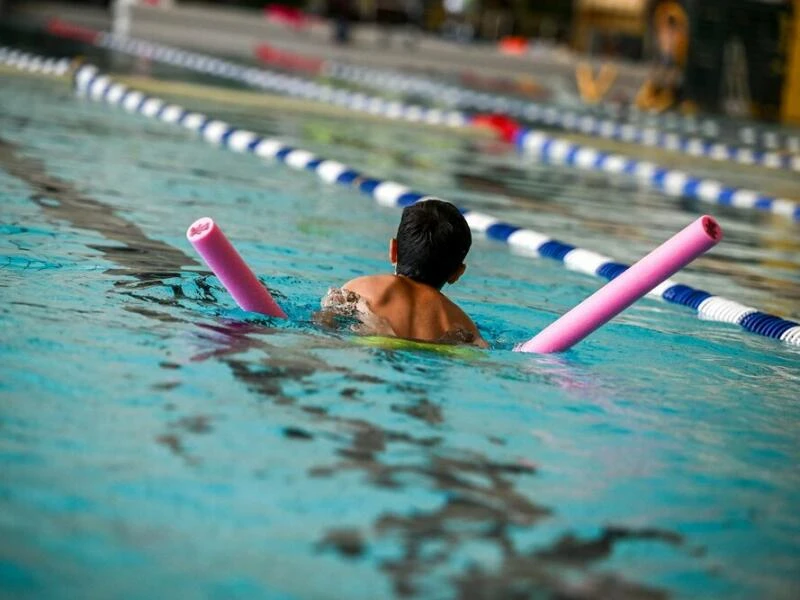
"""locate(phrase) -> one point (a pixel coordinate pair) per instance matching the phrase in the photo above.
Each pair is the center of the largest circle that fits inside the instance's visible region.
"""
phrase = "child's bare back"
(412, 310)
(432, 241)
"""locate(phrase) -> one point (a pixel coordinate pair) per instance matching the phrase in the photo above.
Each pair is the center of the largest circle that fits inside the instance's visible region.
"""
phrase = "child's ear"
(457, 275)
(393, 251)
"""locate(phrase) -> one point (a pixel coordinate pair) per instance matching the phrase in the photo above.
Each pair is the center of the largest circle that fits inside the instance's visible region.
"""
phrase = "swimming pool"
(155, 440)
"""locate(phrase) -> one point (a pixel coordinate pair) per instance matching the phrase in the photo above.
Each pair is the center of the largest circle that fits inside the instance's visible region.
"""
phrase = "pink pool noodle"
(223, 259)
(619, 293)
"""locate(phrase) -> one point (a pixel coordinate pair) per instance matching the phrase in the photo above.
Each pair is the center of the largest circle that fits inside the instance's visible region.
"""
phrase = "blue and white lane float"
(533, 112)
(458, 95)
(574, 121)
(551, 116)
(651, 134)
(32, 63)
(92, 84)
(673, 182)
(285, 84)
(640, 127)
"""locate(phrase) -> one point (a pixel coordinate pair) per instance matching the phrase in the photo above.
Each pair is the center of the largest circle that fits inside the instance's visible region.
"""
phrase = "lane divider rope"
(90, 83)
(464, 97)
(640, 127)
(32, 63)
(278, 82)
(673, 182)
(565, 119)
(750, 134)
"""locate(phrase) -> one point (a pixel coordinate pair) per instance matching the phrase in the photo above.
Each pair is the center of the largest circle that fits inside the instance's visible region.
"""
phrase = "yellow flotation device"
(393, 343)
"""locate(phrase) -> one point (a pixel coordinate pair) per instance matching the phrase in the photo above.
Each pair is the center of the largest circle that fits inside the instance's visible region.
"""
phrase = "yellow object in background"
(790, 112)
(671, 24)
(654, 98)
(592, 90)
(662, 89)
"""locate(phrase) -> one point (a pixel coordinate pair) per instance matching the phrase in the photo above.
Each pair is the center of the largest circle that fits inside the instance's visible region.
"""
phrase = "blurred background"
(740, 58)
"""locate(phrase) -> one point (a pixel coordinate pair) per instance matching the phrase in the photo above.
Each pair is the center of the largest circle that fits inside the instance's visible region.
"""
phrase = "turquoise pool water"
(157, 441)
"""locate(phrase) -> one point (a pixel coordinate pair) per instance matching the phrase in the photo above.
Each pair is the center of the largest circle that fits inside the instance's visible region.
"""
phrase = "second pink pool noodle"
(622, 291)
(223, 259)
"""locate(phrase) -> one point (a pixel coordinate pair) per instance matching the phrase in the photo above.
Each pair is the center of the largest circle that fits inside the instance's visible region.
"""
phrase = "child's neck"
(418, 283)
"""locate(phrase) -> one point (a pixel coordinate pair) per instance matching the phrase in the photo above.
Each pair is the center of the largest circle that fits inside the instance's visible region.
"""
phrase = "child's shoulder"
(454, 312)
(369, 284)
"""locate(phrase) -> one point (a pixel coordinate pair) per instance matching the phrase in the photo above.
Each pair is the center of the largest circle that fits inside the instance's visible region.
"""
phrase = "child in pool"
(431, 244)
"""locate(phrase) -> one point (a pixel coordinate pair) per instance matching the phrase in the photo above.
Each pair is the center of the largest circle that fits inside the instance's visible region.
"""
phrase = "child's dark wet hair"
(433, 240)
